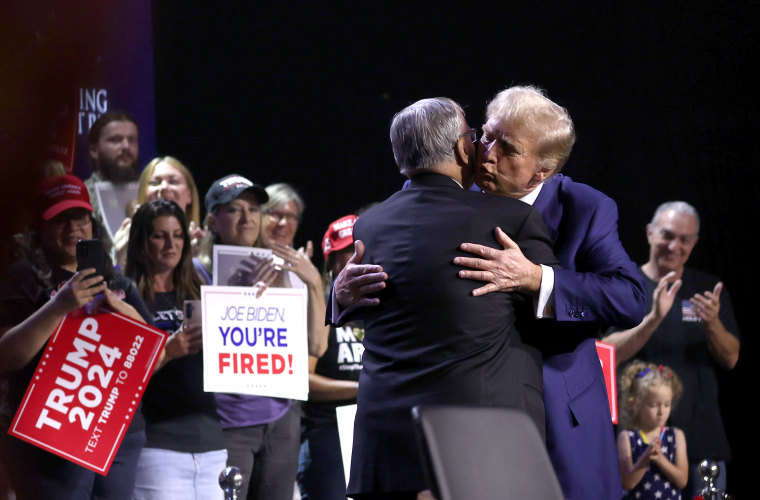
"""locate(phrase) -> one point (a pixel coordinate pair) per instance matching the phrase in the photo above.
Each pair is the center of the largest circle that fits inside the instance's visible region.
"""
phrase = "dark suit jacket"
(597, 286)
(429, 341)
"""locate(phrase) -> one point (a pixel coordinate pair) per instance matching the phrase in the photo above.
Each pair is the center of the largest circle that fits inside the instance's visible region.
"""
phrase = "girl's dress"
(654, 484)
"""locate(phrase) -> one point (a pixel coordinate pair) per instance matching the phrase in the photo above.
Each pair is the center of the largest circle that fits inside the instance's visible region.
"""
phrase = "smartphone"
(90, 253)
(192, 312)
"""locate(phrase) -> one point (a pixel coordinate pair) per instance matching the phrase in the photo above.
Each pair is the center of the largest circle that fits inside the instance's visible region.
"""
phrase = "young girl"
(652, 456)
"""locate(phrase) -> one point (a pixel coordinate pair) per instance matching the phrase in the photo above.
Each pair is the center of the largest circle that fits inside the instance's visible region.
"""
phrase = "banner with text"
(121, 77)
(87, 387)
(255, 345)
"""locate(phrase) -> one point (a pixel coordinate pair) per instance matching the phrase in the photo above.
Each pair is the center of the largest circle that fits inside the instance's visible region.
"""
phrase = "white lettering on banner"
(87, 396)
(92, 104)
(343, 224)
(235, 180)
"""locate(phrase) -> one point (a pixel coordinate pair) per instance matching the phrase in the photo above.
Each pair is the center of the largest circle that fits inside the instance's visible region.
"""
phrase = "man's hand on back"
(358, 280)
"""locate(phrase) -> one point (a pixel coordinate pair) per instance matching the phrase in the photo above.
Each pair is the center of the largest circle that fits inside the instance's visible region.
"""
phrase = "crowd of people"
(404, 313)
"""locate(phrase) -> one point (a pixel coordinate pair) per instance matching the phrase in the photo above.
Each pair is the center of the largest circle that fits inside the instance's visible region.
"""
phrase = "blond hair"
(636, 380)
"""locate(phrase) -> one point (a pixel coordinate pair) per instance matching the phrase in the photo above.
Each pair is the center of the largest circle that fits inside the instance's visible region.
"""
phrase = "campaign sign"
(255, 345)
(115, 201)
(234, 264)
(87, 387)
(606, 354)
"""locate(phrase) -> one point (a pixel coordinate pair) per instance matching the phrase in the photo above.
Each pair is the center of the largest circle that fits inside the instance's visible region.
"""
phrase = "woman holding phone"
(36, 293)
(185, 451)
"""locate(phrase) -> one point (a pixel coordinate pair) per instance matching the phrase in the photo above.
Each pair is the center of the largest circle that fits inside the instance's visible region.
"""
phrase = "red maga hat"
(339, 235)
(60, 193)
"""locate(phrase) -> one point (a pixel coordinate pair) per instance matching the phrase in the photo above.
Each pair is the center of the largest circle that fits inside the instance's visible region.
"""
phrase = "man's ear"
(211, 222)
(650, 232)
(94, 151)
(543, 174)
(464, 152)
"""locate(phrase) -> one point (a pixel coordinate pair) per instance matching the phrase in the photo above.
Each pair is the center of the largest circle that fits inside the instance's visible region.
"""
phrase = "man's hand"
(505, 270)
(707, 306)
(664, 295)
(358, 280)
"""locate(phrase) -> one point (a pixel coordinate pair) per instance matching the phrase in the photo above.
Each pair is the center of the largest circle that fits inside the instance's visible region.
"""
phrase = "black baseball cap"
(231, 186)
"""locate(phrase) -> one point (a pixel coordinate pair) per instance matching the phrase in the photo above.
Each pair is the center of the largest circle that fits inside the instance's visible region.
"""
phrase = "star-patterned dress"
(654, 485)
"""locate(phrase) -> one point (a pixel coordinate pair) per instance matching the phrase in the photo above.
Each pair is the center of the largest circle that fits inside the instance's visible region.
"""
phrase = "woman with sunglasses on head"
(37, 292)
(185, 451)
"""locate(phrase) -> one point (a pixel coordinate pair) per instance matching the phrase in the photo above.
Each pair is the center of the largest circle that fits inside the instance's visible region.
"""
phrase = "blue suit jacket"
(597, 286)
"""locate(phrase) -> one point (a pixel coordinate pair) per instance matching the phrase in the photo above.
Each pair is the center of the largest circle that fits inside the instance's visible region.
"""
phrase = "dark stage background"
(662, 95)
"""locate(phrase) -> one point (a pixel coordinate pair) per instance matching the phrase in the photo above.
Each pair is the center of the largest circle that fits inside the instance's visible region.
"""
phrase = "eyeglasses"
(473, 132)
(289, 218)
(79, 220)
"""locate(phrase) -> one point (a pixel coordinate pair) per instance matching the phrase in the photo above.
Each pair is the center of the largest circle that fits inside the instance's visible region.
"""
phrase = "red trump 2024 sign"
(87, 387)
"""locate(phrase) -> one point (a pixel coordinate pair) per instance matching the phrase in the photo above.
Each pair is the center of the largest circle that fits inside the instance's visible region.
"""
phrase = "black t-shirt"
(22, 292)
(680, 342)
(180, 416)
(341, 361)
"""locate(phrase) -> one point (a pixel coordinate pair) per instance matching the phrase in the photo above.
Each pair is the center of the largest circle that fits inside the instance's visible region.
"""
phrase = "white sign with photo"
(116, 202)
(255, 345)
(233, 264)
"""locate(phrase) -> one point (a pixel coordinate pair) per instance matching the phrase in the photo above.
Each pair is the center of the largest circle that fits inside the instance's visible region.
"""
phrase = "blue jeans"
(176, 475)
(320, 465)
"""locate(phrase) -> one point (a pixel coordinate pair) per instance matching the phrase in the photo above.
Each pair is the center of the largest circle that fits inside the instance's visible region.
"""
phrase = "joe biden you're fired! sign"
(255, 345)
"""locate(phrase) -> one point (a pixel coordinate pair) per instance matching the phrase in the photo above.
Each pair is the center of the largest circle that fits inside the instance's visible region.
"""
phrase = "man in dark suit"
(527, 139)
(429, 341)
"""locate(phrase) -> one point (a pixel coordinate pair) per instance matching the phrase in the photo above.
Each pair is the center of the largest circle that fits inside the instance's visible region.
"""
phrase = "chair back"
(484, 453)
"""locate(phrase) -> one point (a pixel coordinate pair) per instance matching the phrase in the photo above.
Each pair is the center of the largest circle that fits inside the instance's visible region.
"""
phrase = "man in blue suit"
(527, 139)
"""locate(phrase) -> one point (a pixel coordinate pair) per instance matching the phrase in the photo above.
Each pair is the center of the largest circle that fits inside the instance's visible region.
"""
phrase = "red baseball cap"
(339, 235)
(60, 193)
